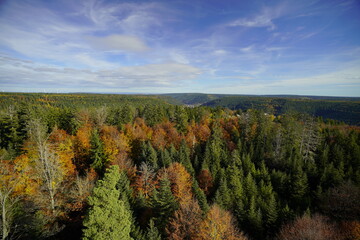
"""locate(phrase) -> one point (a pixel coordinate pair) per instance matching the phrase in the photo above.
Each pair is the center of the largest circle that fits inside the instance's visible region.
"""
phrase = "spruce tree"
(201, 197)
(97, 155)
(184, 158)
(222, 195)
(149, 155)
(165, 158)
(152, 232)
(108, 216)
(299, 189)
(164, 204)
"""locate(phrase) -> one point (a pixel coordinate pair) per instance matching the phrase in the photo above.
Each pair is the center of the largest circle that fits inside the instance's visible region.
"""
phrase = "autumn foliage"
(316, 227)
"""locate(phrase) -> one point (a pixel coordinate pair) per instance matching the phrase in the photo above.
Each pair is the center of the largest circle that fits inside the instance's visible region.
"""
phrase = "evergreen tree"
(164, 204)
(152, 232)
(271, 214)
(123, 185)
(201, 197)
(254, 217)
(108, 216)
(299, 189)
(149, 155)
(181, 119)
(165, 159)
(250, 187)
(97, 156)
(222, 195)
(184, 157)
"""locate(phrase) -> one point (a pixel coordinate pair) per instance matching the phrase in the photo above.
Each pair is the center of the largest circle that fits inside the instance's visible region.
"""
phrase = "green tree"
(165, 159)
(184, 157)
(108, 216)
(222, 195)
(152, 232)
(97, 155)
(201, 197)
(164, 204)
(149, 155)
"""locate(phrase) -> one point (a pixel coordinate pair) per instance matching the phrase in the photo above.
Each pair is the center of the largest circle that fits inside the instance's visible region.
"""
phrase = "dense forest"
(344, 109)
(93, 166)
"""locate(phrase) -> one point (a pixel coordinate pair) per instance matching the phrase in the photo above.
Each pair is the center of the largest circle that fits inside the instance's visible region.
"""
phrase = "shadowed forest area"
(96, 166)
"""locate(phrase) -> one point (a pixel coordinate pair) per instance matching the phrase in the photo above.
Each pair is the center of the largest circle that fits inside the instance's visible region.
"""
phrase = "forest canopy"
(96, 166)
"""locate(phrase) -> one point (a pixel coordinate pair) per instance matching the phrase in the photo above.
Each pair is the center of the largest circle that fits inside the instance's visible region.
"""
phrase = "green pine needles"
(108, 218)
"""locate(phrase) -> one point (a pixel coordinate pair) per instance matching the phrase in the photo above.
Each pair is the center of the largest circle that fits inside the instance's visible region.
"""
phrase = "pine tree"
(201, 197)
(165, 158)
(164, 204)
(108, 217)
(123, 186)
(184, 158)
(254, 217)
(271, 214)
(97, 155)
(149, 155)
(250, 187)
(222, 195)
(299, 188)
(152, 232)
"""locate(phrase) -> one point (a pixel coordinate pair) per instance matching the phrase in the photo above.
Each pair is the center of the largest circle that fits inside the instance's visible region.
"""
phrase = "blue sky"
(229, 46)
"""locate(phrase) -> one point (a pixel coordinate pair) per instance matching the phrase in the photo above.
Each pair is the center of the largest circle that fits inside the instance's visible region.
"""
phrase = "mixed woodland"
(96, 166)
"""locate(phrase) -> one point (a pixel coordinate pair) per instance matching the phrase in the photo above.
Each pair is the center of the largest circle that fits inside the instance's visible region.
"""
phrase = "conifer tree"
(149, 155)
(299, 188)
(254, 216)
(123, 186)
(271, 214)
(108, 216)
(201, 197)
(184, 158)
(222, 195)
(164, 204)
(165, 158)
(97, 155)
(152, 232)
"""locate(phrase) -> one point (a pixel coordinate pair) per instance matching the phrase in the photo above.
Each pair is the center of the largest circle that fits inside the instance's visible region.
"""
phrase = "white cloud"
(118, 42)
(339, 83)
(263, 19)
(15, 72)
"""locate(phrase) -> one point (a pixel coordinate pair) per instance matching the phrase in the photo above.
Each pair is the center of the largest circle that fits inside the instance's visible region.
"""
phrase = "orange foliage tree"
(116, 146)
(82, 147)
(15, 183)
(186, 222)
(164, 135)
(218, 225)
(181, 183)
(62, 144)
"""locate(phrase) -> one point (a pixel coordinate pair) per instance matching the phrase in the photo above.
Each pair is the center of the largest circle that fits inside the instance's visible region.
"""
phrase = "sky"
(173, 46)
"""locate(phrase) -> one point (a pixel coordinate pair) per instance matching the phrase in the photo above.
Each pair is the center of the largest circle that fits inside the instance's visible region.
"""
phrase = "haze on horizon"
(231, 47)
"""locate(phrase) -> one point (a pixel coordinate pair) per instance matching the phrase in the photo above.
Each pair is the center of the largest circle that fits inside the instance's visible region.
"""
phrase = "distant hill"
(192, 98)
(345, 109)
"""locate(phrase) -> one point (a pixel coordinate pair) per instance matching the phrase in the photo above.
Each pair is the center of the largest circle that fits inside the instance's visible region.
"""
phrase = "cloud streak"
(118, 42)
(151, 75)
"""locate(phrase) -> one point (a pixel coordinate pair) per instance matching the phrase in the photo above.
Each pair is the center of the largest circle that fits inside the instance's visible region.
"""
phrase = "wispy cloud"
(151, 75)
(262, 19)
(118, 42)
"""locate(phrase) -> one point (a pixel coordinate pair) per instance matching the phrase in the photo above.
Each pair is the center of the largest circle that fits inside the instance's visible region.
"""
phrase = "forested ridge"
(344, 109)
(93, 166)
